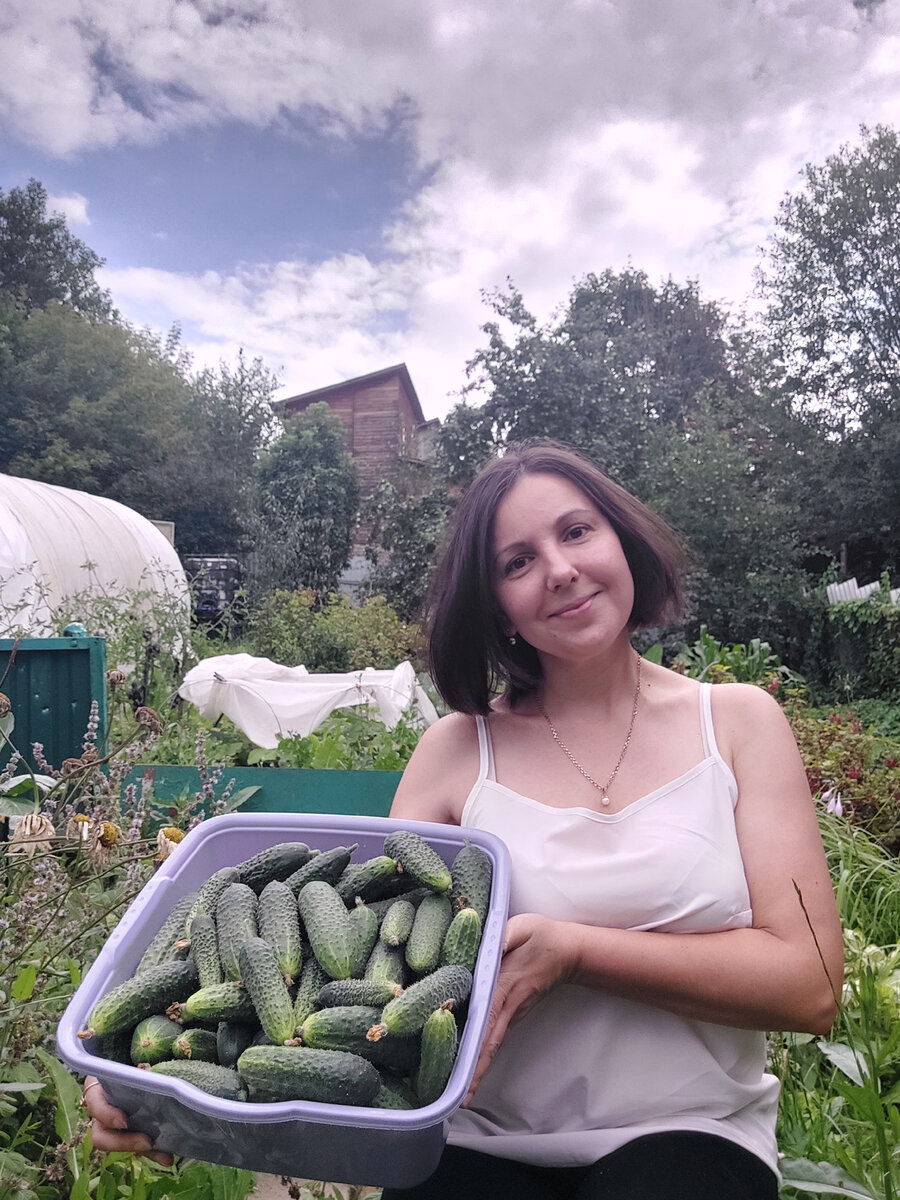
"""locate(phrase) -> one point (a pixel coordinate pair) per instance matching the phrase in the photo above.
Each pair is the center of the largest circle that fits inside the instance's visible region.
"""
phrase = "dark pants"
(660, 1166)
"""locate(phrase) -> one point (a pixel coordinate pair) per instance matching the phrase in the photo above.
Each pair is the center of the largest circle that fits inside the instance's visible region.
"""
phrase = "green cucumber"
(312, 979)
(364, 932)
(205, 948)
(462, 940)
(409, 1011)
(367, 880)
(373, 992)
(196, 1044)
(163, 946)
(210, 891)
(152, 1039)
(228, 1001)
(116, 1047)
(279, 925)
(398, 922)
(223, 1082)
(432, 920)
(264, 980)
(232, 1039)
(275, 862)
(141, 996)
(326, 867)
(387, 963)
(418, 859)
(471, 874)
(394, 1094)
(339, 1028)
(328, 928)
(440, 1039)
(273, 1073)
(236, 921)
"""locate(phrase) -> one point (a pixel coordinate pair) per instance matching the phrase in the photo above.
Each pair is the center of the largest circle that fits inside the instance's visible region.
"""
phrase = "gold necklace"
(603, 789)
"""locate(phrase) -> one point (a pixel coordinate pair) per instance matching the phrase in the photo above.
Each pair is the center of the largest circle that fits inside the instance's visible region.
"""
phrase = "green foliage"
(866, 639)
(307, 504)
(710, 661)
(289, 628)
(348, 740)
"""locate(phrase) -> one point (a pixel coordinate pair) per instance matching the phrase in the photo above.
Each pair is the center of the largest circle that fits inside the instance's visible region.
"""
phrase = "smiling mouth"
(576, 607)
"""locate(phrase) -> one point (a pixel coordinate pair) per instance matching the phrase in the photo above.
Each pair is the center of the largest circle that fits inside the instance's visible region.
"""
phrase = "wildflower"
(5, 705)
(146, 717)
(32, 834)
(832, 800)
(104, 840)
(115, 678)
(79, 828)
(90, 754)
(166, 840)
(71, 766)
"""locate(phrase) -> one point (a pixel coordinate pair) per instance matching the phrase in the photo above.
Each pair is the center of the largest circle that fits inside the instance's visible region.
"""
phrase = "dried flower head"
(32, 835)
(115, 678)
(90, 754)
(167, 839)
(5, 704)
(104, 840)
(146, 717)
(71, 766)
(79, 828)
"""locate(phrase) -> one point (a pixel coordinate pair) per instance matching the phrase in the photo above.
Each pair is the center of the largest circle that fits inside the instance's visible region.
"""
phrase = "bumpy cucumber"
(373, 992)
(387, 963)
(275, 862)
(273, 1073)
(364, 931)
(328, 928)
(116, 1047)
(223, 1082)
(326, 867)
(162, 948)
(228, 1001)
(409, 1011)
(232, 1039)
(236, 920)
(432, 920)
(141, 996)
(205, 948)
(398, 922)
(440, 1039)
(471, 873)
(152, 1039)
(338, 1028)
(312, 979)
(196, 1044)
(461, 942)
(418, 859)
(394, 1094)
(279, 925)
(264, 980)
(367, 880)
(210, 891)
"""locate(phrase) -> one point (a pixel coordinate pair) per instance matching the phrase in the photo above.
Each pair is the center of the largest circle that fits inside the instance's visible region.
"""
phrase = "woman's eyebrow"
(566, 518)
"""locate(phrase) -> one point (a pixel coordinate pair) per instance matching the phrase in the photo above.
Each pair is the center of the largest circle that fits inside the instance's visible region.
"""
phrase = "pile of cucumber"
(300, 974)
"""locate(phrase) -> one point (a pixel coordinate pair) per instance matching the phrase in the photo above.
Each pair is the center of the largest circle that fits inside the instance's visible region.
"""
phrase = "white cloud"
(73, 208)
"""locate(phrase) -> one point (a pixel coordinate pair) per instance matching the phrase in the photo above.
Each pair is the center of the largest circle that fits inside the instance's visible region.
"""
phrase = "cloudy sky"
(333, 185)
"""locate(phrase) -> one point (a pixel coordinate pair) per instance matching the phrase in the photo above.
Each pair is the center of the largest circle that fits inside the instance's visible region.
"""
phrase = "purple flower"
(832, 798)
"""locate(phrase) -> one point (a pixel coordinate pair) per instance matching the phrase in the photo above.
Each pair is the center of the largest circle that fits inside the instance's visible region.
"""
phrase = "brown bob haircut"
(470, 654)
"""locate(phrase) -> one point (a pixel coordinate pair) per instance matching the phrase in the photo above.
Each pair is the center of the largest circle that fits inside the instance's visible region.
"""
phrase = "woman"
(670, 898)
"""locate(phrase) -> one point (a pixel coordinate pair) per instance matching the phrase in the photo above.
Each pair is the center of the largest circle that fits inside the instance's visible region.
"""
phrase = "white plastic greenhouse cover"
(57, 543)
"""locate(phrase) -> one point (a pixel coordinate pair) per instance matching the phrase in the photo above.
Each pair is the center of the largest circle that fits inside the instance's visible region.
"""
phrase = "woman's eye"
(577, 531)
(516, 564)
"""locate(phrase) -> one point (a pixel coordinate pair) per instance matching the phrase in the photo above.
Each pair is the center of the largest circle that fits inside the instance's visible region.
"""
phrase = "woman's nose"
(560, 570)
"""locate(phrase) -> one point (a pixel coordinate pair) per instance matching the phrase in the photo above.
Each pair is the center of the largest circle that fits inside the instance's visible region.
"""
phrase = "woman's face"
(560, 574)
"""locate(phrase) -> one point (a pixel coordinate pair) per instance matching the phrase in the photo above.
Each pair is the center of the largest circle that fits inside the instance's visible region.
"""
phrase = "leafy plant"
(754, 662)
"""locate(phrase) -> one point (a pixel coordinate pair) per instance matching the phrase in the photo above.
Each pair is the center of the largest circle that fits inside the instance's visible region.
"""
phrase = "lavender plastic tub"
(336, 1142)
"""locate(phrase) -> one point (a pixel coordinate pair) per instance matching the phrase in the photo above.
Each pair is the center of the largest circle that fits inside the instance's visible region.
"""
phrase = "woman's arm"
(784, 972)
(440, 773)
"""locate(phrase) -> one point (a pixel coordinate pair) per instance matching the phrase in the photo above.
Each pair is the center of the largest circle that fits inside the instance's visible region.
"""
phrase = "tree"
(832, 279)
(307, 504)
(40, 260)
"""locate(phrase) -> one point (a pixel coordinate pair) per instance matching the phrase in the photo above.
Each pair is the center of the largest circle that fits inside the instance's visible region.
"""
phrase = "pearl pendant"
(604, 800)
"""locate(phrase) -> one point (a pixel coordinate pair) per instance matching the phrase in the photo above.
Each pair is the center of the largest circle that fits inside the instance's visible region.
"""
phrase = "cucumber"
(387, 963)
(338, 1028)
(326, 867)
(228, 1001)
(210, 891)
(196, 1044)
(440, 1039)
(279, 925)
(471, 873)
(328, 928)
(312, 979)
(409, 1011)
(367, 880)
(152, 1039)
(364, 933)
(116, 1047)
(236, 921)
(223, 1082)
(398, 922)
(141, 996)
(205, 948)
(273, 1073)
(373, 992)
(418, 859)
(394, 1094)
(162, 948)
(232, 1039)
(275, 862)
(264, 981)
(463, 937)
(432, 920)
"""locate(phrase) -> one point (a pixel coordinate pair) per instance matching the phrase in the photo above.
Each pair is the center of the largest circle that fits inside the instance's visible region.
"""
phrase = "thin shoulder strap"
(485, 751)
(710, 746)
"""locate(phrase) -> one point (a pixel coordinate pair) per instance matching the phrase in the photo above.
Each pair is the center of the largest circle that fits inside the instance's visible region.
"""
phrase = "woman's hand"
(108, 1126)
(538, 954)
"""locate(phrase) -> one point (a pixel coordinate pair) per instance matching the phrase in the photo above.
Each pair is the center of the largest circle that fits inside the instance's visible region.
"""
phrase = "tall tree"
(308, 502)
(40, 260)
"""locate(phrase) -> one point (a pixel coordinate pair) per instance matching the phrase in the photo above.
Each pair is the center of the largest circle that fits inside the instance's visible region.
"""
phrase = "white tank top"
(584, 1072)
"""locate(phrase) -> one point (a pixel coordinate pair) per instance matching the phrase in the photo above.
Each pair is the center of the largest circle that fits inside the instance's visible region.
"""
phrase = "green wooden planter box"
(281, 789)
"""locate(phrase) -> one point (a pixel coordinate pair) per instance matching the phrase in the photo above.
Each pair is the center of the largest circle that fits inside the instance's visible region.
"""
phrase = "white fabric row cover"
(57, 543)
(267, 701)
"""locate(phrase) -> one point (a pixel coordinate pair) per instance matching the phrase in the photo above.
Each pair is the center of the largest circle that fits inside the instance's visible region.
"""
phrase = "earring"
(512, 639)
